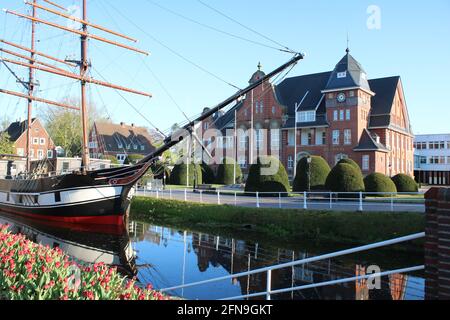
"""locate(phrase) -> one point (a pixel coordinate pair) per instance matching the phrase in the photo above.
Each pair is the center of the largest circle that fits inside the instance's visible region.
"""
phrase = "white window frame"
(49, 154)
(347, 137)
(291, 138)
(348, 115)
(336, 137)
(21, 152)
(36, 141)
(290, 162)
(40, 154)
(42, 141)
(341, 115)
(306, 116)
(335, 115)
(366, 162)
(275, 139)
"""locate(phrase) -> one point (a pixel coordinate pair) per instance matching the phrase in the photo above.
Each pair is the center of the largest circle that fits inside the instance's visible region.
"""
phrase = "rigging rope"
(286, 49)
(171, 50)
(211, 27)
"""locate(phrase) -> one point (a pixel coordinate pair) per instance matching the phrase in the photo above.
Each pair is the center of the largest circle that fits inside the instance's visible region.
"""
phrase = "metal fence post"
(218, 197)
(235, 198)
(360, 201)
(201, 196)
(170, 194)
(392, 202)
(305, 204)
(145, 188)
(157, 194)
(185, 195)
(279, 200)
(331, 200)
(257, 200)
(269, 284)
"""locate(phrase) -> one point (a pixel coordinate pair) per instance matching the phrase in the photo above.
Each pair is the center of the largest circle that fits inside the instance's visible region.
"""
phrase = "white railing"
(268, 270)
(346, 201)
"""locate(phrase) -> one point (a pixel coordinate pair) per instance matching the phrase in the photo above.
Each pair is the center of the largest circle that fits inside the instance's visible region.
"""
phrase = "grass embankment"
(285, 225)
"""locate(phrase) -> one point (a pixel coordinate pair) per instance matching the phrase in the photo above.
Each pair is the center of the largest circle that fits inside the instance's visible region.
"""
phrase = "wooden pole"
(81, 33)
(25, 96)
(30, 90)
(31, 60)
(55, 5)
(37, 53)
(84, 68)
(82, 21)
(77, 77)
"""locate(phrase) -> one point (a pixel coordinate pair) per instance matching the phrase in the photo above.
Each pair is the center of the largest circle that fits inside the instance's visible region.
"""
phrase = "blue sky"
(412, 42)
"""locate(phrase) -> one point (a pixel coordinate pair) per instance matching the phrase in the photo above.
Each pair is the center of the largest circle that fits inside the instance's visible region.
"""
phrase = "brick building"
(119, 140)
(337, 114)
(42, 146)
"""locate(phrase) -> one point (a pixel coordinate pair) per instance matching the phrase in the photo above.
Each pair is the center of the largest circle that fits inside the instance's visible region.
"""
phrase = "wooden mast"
(31, 89)
(84, 68)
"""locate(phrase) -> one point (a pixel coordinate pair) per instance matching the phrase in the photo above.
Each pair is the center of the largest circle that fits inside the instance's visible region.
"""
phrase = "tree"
(64, 125)
(378, 182)
(133, 158)
(258, 181)
(6, 146)
(319, 170)
(179, 175)
(345, 177)
(227, 171)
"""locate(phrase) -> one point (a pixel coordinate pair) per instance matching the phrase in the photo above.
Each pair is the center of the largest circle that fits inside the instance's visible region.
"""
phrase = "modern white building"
(432, 159)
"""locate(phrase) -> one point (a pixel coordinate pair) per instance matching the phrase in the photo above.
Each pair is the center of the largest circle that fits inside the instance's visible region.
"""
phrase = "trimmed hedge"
(207, 174)
(350, 162)
(178, 176)
(225, 172)
(345, 178)
(405, 183)
(319, 173)
(378, 182)
(258, 182)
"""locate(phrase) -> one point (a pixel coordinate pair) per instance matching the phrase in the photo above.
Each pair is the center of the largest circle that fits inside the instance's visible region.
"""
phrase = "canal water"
(167, 257)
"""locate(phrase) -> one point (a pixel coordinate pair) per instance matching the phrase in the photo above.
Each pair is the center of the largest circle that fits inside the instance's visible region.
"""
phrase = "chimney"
(122, 124)
(132, 125)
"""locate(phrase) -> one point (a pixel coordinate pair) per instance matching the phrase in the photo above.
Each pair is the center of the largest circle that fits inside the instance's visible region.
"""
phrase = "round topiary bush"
(405, 183)
(345, 178)
(350, 162)
(268, 175)
(378, 182)
(226, 171)
(207, 174)
(179, 175)
(319, 170)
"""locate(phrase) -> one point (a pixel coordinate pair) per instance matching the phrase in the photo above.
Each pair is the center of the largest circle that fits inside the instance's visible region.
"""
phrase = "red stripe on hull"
(115, 220)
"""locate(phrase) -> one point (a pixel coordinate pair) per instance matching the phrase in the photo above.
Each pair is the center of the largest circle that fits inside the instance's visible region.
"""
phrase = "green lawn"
(280, 225)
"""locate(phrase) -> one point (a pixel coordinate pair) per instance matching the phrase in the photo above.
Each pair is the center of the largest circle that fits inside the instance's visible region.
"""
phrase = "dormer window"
(307, 116)
(341, 75)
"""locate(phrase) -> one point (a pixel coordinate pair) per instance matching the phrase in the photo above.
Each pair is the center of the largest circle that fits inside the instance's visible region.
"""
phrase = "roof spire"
(348, 46)
(259, 66)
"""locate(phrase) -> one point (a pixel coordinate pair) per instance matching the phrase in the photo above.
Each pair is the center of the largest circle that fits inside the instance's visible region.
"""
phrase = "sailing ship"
(85, 196)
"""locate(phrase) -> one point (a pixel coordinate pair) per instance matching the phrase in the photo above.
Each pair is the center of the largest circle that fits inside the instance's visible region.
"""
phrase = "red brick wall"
(39, 132)
(437, 244)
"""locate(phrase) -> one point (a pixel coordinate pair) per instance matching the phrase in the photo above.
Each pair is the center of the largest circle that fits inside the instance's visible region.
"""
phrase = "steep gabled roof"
(112, 135)
(368, 143)
(307, 88)
(16, 129)
(348, 73)
(382, 102)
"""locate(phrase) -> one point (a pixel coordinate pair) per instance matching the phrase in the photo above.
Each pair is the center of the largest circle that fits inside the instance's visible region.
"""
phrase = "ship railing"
(270, 291)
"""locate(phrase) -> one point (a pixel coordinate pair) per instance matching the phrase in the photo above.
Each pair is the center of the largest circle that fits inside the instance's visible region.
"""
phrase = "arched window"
(339, 157)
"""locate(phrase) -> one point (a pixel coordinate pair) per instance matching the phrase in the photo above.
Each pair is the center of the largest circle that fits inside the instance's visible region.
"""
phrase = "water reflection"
(85, 244)
(178, 257)
(167, 257)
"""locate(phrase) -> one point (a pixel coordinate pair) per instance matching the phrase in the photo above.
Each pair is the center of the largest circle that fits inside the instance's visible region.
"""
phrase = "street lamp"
(309, 160)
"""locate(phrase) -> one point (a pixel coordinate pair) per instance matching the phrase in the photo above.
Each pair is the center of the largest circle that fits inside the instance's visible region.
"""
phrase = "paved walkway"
(228, 198)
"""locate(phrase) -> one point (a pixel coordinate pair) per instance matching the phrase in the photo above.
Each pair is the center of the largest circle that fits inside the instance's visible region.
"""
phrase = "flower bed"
(29, 271)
